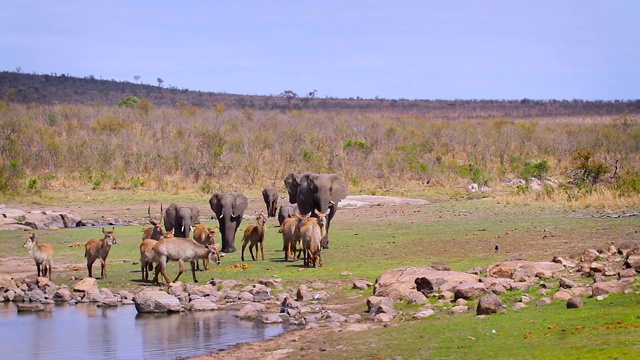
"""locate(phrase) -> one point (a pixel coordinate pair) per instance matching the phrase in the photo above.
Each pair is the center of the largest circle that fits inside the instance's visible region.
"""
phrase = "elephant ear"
(265, 194)
(339, 189)
(216, 205)
(240, 204)
(170, 217)
(291, 183)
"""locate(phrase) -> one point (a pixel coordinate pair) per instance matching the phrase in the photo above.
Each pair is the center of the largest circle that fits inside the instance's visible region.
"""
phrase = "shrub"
(537, 170)
(628, 183)
(129, 102)
(586, 172)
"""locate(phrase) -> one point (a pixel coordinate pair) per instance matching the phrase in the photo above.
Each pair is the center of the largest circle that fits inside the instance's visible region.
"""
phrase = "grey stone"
(154, 301)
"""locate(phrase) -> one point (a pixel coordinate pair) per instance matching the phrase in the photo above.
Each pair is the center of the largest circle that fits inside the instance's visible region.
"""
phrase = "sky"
(484, 49)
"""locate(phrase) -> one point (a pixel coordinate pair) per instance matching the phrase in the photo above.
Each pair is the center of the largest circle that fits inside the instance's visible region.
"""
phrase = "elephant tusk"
(221, 216)
(332, 202)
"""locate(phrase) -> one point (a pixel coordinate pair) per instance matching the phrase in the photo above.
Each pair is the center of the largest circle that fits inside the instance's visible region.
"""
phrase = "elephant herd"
(308, 191)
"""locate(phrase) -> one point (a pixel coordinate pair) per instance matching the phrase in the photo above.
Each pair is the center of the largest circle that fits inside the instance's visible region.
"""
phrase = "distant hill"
(62, 88)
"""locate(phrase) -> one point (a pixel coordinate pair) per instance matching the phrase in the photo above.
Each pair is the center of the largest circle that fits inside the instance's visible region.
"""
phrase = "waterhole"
(85, 331)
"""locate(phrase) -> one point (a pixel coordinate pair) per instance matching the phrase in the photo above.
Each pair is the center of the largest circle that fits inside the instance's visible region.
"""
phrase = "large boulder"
(609, 287)
(400, 282)
(86, 284)
(490, 304)
(508, 269)
(155, 301)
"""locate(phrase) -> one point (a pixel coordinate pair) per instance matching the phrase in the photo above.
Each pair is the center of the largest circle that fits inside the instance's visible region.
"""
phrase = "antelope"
(99, 249)
(205, 235)
(155, 232)
(290, 230)
(254, 234)
(312, 230)
(42, 254)
(146, 257)
(180, 250)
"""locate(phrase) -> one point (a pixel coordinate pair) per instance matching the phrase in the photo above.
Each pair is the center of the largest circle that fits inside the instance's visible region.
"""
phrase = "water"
(87, 331)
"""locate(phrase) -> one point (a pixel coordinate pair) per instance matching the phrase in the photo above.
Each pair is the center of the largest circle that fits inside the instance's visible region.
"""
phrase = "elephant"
(180, 219)
(321, 192)
(229, 208)
(286, 211)
(270, 196)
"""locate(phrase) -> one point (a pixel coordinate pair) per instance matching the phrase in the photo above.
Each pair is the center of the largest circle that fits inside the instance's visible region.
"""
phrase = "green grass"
(606, 329)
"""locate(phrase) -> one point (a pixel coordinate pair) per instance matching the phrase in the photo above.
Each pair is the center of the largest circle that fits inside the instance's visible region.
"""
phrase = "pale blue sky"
(539, 49)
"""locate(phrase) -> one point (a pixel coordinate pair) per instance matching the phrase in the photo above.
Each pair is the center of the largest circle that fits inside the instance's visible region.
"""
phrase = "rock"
(590, 255)
(125, 295)
(202, 304)
(375, 303)
(565, 262)
(543, 301)
(382, 317)
(417, 298)
(490, 304)
(29, 307)
(272, 318)
(627, 248)
(62, 294)
(245, 296)
(609, 287)
(362, 284)
(7, 283)
(202, 290)
(507, 269)
(93, 295)
(633, 262)
(398, 283)
(459, 309)
(520, 286)
(247, 312)
(519, 305)
(566, 283)
(353, 318)
(564, 294)
(86, 284)
(575, 303)
(627, 273)
(440, 266)
(262, 294)
(155, 301)
(289, 303)
(424, 313)
(469, 290)
(303, 293)
(35, 295)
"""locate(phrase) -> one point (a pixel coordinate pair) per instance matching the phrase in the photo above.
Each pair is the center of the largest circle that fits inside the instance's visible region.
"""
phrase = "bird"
(497, 247)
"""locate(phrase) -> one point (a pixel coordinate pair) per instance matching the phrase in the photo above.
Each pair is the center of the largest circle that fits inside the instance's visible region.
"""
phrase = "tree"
(160, 82)
(136, 78)
(129, 101)
(18, 69)
(289, 95)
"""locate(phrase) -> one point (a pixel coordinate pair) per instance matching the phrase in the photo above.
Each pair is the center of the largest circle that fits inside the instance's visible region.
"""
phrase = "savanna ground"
(365, 242)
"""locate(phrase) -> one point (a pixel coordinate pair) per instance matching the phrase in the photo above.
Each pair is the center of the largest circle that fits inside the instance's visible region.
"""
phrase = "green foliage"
(537, 170)
(522, 189)
(360, 144)
(475, 174)
(129, 102)
(137, 182)
(586, 171)
(32, 184)
(628, 183)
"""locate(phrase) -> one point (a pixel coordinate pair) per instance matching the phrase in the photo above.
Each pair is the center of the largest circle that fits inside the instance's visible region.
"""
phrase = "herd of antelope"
(301, 234)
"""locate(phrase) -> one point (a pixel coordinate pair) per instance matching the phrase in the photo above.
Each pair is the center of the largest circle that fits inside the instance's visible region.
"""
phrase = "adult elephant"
(270, 196)
(287, 210)
(229, 208)
(180, 219)
(322, 192)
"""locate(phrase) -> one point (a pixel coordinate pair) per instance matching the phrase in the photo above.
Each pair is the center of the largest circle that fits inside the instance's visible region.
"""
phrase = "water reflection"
(82, 331)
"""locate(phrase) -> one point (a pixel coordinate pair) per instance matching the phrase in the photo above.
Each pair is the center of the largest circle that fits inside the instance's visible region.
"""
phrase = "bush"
(129, 102)
(537, 170)
(628, 183)
(587, 172)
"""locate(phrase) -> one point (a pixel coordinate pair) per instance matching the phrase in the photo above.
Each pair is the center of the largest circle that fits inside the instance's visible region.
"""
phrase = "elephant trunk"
(228, 229)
